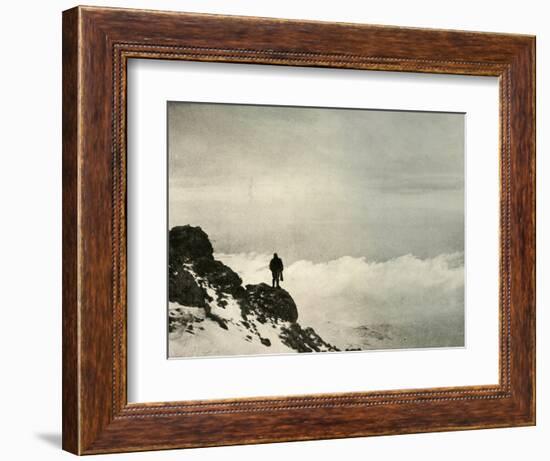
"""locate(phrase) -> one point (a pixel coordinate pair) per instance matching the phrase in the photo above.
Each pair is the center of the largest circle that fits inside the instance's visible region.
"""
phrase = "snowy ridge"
(210, 313)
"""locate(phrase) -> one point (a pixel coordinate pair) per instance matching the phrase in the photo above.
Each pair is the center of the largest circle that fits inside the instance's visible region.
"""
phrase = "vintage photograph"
(312, 229)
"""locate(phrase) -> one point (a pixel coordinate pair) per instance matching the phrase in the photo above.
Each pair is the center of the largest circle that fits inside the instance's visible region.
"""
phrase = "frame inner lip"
(125, 50)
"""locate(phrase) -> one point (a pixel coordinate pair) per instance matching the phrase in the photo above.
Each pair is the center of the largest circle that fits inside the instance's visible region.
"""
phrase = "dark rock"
(304, 339)
(184, 289)
(188, 243)
(220, 275)
(271, 302)
(265, 342)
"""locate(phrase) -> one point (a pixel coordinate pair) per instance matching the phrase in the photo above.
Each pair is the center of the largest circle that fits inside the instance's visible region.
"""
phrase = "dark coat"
(276, 265)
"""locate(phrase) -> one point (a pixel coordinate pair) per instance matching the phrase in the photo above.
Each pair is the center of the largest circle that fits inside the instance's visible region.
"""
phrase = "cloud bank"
(405, 302)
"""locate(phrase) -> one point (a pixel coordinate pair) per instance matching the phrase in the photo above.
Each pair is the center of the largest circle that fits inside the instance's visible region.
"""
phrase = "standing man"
(276, 268)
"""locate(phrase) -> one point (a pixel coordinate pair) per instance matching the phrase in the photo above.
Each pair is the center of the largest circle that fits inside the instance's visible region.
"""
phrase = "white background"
(153, 378)
(30, 245)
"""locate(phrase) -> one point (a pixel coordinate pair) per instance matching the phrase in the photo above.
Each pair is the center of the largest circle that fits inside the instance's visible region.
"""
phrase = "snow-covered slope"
(212, 314)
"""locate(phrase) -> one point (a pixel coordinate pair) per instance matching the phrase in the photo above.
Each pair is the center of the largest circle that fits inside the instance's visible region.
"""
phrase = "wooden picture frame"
(97, 44)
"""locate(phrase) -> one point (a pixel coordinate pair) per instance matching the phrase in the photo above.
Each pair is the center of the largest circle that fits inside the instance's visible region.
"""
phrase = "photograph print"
(312, 229)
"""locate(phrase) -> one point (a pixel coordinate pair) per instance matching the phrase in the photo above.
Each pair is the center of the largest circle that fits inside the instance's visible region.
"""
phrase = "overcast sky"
(316, 183)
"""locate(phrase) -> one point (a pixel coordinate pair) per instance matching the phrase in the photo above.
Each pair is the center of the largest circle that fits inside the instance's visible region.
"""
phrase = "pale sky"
(316, 183)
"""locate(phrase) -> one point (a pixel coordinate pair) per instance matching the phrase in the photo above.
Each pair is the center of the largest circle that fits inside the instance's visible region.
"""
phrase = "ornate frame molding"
(97, 43)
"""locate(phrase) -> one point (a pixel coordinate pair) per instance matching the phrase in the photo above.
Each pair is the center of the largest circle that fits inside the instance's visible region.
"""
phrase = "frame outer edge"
(533, 181)
(70, 178)
(90, 414)
(534, 213)
(523, 233)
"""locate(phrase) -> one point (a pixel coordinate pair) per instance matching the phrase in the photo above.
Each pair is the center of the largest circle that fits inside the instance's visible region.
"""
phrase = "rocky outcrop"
(190, 255)
(188, 243)
(220, 275)
(271, 302)
(184, 289)
(212, 313)
(304, 339)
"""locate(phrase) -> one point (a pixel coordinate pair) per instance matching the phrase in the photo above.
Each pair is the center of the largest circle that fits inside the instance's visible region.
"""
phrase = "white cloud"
(418, 302)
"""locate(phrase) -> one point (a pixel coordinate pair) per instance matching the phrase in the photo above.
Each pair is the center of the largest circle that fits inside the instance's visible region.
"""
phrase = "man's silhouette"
(276, 268)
